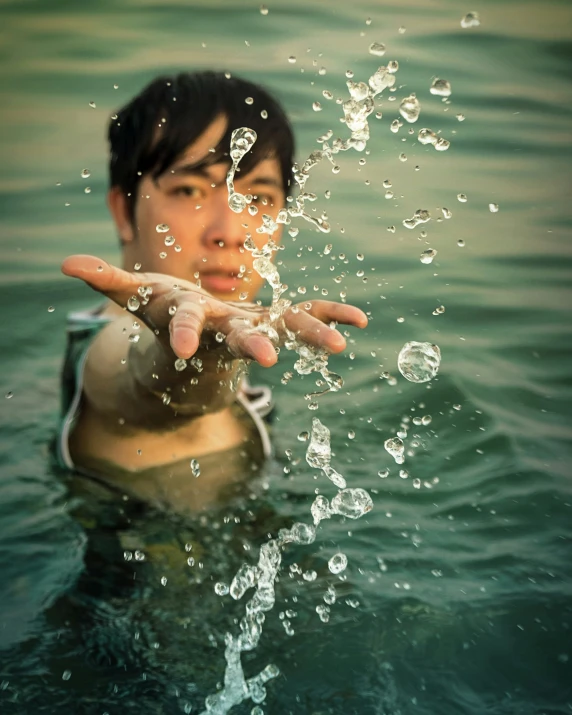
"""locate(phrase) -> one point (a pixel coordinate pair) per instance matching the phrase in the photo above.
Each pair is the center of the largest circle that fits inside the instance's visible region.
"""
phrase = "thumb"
(113, 282)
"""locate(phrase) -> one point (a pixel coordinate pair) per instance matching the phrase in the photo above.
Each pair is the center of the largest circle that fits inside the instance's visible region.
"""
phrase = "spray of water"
(349, 503)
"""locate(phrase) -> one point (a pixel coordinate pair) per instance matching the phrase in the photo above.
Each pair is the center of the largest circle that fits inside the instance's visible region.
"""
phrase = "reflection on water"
(455, 596)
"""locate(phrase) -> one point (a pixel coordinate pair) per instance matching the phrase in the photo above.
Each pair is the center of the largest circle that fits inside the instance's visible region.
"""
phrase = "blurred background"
(457, 597)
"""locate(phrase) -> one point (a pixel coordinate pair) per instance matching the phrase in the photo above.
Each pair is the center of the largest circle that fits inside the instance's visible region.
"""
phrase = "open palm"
(184, 316)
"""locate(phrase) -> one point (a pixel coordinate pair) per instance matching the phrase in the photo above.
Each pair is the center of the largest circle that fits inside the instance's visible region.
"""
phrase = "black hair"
(185, 105)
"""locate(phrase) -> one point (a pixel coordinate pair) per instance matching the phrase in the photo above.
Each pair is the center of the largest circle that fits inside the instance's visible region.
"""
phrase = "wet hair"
(184, 106)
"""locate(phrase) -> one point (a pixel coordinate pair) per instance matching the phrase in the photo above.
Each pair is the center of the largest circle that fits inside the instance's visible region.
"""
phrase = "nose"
(223, 228)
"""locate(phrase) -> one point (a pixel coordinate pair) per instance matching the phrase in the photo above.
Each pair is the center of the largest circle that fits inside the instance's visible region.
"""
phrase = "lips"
(220, 281)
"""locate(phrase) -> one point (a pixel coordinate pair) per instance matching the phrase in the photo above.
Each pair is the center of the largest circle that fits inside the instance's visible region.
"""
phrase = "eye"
(264, 199)
(187, 191)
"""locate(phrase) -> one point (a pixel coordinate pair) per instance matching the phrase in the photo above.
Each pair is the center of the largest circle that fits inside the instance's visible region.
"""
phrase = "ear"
(118, 207)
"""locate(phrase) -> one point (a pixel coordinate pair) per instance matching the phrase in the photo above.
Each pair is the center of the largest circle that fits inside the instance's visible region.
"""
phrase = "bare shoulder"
(106, 373)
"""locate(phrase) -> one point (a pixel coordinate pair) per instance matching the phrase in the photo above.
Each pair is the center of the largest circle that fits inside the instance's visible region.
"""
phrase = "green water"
(463, 590)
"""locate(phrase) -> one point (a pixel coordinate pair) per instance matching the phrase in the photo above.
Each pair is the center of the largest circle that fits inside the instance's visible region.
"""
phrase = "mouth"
(220, 281)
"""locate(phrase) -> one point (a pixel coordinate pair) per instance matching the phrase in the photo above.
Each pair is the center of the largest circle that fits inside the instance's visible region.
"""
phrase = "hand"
(183, 315)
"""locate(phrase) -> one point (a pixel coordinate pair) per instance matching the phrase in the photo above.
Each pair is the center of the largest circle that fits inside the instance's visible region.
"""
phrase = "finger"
(311, 330)
(115, 283)
(185, 329)
(251, 344)
(327, 311)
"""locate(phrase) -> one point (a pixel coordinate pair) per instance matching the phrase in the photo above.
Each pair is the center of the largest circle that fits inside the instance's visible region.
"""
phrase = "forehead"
(199, 151)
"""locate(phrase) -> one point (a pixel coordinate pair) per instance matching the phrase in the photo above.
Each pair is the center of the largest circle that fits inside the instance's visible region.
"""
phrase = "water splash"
(241, 141)
(348, 502)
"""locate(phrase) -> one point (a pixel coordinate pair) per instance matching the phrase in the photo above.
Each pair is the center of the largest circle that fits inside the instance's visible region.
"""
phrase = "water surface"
(457, 597)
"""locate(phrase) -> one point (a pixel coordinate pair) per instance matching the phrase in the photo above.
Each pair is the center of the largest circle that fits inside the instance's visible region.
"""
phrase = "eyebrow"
(203, 171)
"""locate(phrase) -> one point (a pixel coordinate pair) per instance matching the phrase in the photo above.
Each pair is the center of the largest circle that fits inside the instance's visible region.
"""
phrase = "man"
(151, 395)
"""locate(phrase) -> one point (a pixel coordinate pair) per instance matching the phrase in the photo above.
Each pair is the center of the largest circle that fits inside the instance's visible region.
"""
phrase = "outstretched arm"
(181, 321)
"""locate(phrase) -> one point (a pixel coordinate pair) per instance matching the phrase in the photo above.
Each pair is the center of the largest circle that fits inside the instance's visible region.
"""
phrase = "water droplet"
(428, 256)
(330, 595)
(395, 125)
(115, 86)
(92, 105)
(195, 468)
(351, 434)
(180, 363)
(85, 174)
(471, 19)
(396, 448)
(249, 100)
(442, 144)
(441, 88)
(402, 30)
(446, 213)
(221, 589)
(51, 309)
(461, 243)
(338, 563)
(377, 49)
(322, 71)
(426, 136)
(161, 228)
(87, 190)
(410, 108)
(493, 208)
(291, 59)
(460, 117)
(66, 675)
(237, 202)
(133, 303)
(317, 107)
(383, 473)
(462, 198)
(393, 67)
(352, 503)
(264, 114)
(420, 216)
(439, 310)
(163, 580)
(323, 612)
(263, 10)
(9, 395)
(419, 362)
(403, 157)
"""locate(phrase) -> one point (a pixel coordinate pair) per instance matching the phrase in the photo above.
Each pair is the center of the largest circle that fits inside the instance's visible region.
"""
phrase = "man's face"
(195, 208)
